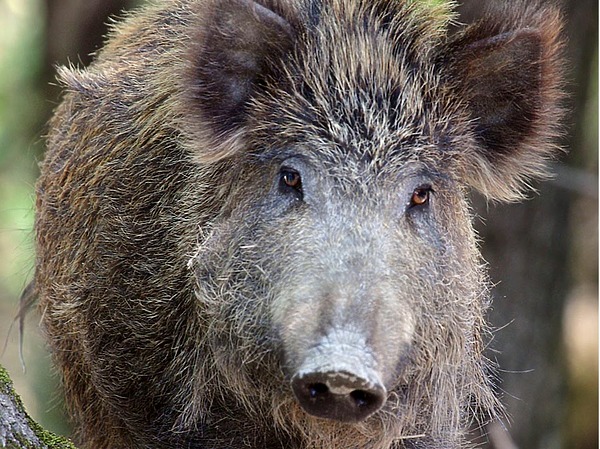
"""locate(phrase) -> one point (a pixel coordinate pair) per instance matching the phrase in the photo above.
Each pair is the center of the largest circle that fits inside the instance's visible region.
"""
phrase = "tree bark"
(17, 429)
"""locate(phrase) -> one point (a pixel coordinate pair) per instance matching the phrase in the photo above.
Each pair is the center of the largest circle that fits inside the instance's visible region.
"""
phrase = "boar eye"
(290, 180)
(420, 196)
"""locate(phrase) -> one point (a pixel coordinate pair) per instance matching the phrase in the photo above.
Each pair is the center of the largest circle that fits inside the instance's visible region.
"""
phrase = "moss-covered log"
(17, 429)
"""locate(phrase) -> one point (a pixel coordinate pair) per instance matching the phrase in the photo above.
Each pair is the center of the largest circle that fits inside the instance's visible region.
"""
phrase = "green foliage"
(21, 106)
(23, 110)
(443, 11)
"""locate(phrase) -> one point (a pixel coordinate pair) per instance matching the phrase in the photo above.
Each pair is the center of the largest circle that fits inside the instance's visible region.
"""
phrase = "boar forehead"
(357, 143)
(358, 92)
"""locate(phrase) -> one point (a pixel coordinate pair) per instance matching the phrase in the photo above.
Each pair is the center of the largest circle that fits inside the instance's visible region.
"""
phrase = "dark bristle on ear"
(508, 68)
(507, 105)
(239, 43)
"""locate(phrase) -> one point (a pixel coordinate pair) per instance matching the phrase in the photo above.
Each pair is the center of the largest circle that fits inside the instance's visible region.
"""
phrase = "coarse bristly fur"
(234, 187)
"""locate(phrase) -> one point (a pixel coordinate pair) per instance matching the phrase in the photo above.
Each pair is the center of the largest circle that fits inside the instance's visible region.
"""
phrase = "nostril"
(363, 398)
(317, 390)
(320, 391)
(338, 395)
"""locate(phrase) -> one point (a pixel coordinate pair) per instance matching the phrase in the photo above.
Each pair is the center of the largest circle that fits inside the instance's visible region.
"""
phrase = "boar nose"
(341, 395)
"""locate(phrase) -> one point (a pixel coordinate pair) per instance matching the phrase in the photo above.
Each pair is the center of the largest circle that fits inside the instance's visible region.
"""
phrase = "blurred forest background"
(543, 253)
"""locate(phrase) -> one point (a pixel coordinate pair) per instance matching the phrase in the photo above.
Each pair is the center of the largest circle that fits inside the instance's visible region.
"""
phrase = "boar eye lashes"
(420, 196)
(290, 181)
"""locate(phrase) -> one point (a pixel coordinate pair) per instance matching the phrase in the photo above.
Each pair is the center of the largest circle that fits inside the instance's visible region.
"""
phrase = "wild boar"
(253, 226)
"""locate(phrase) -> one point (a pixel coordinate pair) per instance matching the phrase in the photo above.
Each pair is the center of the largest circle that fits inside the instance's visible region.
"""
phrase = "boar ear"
(237, 46)
(507, 68)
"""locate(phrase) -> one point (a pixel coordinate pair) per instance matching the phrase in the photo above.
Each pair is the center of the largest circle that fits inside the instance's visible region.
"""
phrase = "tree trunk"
(17, 429)
(528, 247)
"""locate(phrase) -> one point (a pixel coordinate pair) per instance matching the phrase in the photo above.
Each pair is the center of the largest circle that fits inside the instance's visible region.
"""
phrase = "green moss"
(53, 441)
(48, 440)
(4, 378)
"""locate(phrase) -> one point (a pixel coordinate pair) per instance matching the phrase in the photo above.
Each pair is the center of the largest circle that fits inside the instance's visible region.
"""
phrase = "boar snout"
(338, 395)
(338, 382)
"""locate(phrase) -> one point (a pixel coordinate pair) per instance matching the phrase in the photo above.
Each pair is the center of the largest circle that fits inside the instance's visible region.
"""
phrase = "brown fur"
(180, 289)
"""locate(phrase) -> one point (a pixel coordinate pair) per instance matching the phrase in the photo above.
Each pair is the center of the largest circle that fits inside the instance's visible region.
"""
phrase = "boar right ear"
(508, 71)
(237, 46)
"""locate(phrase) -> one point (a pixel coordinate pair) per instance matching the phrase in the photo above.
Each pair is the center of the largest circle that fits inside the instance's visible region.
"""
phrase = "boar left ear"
(237, 46)
(507, 68)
